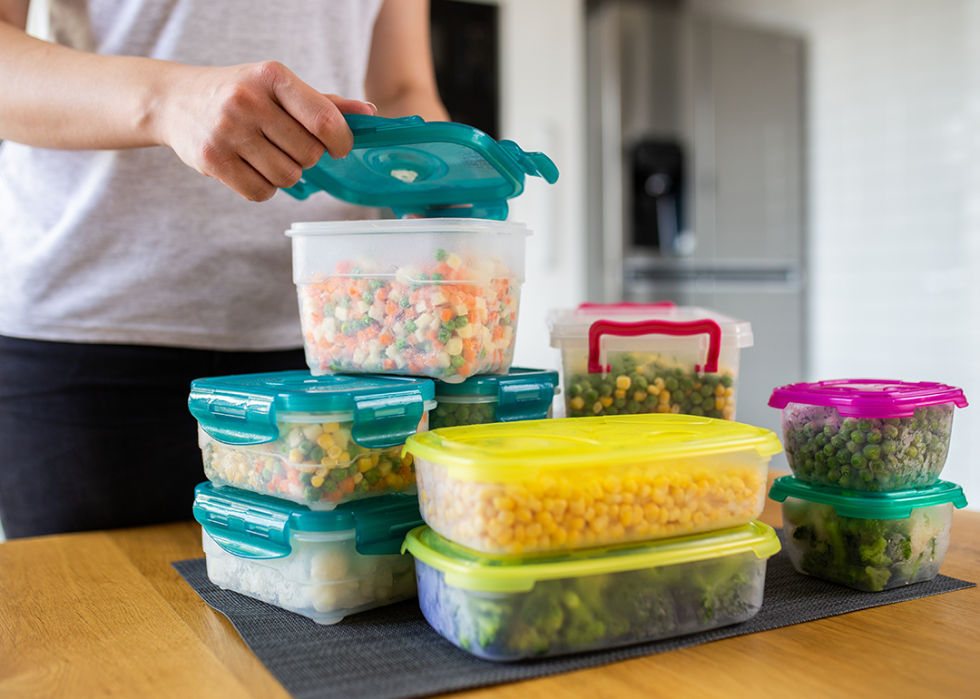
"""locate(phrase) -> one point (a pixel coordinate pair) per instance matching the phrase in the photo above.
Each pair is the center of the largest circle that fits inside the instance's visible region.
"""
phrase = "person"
(125, 274)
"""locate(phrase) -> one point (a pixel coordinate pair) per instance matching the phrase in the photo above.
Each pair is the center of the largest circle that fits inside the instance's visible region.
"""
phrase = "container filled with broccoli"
(867, 541)
(510, 608)
(867, 435)
(631, 358)
(521, 394)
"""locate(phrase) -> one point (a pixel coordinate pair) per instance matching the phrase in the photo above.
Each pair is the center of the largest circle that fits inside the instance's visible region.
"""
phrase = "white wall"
(894, 193)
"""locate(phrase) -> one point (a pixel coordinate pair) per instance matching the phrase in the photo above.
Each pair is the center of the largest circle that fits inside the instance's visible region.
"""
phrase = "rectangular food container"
(868, 541)
(511, 608)
(869, 435)
(315, 440)
(323, 565)
(649, 358)
(569, 483)
(523, 394)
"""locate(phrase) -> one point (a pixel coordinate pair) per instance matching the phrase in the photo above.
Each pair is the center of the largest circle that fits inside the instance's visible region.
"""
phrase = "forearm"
(410, 102)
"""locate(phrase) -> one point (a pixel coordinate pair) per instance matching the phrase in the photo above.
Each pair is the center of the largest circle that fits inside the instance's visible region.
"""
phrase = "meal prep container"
(436, 294)
(865, 434)
(315, 440)
(323, 565)
(510, 608)
(868, 541)
(649, 358)
(572, 483)
(523, 394)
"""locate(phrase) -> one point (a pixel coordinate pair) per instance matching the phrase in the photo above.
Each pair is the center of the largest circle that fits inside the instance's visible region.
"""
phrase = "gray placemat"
(392, 653)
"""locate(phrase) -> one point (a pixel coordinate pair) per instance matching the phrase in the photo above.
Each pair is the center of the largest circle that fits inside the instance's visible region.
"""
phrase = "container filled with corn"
(316, 440)
(522, 394)
(570, 483)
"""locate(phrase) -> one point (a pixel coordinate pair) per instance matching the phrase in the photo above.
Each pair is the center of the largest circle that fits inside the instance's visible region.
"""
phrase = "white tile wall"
(894, 193)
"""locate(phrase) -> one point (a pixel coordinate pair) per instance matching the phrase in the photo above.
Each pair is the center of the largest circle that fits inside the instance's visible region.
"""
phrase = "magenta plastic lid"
(871, 398)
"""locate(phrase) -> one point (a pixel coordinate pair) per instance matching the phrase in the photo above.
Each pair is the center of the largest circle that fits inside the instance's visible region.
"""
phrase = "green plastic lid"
(897, 504)
(471, 570)
(250, 525)
(430, 169)
(521, 394)
(245, 409)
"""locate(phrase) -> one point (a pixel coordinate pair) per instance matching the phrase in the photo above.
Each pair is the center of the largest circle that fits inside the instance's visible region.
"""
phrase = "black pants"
(99, 436)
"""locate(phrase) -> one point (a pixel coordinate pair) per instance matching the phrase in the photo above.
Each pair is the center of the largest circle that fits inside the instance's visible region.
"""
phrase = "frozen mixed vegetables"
(449, 414)
(448, 319)
(864, 453)
(598, 611)
(640, 382)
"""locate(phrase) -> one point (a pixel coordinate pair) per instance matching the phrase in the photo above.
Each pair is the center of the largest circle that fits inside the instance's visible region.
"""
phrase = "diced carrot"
(498, 333)
(386, 339)
(463, 370)
(335, 495)
(432, 335)
(388, 364)
(391, 309)
(381, 294)
(346, 486)
(469, 356)
(437, 346)
(444, 269)
(446, 315)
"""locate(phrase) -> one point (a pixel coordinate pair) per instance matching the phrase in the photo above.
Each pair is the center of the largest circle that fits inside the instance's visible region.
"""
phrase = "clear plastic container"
(867, 435)
(511, 608)
(649, 358)
(570, 483)
(315, 440)
(867, 541)
(323, 565)
(523, 394)
(420, 297)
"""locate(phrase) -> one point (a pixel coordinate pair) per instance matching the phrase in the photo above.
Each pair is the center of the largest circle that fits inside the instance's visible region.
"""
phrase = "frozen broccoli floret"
(876, 578)
(874, 554)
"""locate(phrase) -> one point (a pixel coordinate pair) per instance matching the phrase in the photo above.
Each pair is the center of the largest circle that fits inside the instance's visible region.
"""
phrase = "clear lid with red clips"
(869, 398)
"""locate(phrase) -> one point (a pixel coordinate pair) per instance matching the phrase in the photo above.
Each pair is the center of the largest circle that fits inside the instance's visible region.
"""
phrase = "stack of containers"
(865, 507)
(558, 536)
(310, 495)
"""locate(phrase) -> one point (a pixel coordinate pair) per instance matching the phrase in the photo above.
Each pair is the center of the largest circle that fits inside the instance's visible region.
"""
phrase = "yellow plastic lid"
(506, 452)
(466, 569)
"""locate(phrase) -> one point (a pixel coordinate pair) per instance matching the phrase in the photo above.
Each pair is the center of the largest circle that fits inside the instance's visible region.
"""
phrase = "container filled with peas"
(521, 394)
(649, 358)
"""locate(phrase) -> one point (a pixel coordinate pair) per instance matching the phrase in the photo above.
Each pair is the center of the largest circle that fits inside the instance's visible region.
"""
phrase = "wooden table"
(105, 614)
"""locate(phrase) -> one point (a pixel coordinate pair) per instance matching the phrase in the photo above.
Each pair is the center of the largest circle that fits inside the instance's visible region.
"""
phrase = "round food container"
(868, 541)
(570, 483)
(649, 358)
(869, 435)
(315, 440)
(323, 565)
(523, 394)
(511, 608)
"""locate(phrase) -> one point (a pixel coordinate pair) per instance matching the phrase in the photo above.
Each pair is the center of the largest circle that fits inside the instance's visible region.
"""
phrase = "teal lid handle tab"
(246, 531)
(382, 421)
(365, 123)
(381, 534)
(533, 163)
(520, 399)
(235, 418)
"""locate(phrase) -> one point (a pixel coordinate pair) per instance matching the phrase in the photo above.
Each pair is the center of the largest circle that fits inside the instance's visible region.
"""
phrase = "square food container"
(511, 608)
(570, 483)
(865, 434)
(323, 565)
(649, 358)
(523, 394)
(868, 541)
(315, 440)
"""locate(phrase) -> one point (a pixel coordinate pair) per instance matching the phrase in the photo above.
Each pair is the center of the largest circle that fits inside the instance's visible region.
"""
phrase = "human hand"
(253, 127)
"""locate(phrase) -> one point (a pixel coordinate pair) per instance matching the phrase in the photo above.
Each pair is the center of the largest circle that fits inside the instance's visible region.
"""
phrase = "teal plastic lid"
(897, 504)
(429, 169)
(250, 525)
(521, 394)
(244, 409)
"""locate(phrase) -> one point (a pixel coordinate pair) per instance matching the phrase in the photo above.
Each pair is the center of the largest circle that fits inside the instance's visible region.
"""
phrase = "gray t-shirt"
(134, 246)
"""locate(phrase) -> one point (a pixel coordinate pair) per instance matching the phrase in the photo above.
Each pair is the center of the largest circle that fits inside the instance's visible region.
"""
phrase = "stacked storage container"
(865, 506)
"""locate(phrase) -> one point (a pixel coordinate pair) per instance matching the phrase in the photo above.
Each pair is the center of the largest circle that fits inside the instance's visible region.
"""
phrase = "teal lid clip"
(521, 399)
(382, 421)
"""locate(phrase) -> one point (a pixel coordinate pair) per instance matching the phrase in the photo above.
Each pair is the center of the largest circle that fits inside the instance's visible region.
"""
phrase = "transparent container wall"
(438, 304)
(600, 611)
(561, 509)
(456, 410)
(316, 464)
(661, 379)
(324, 578)
(866, 554)
(868, 454)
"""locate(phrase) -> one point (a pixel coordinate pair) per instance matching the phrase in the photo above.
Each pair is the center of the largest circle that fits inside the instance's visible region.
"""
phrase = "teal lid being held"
(246, 409)
(897, 504)
(250, 525)
(429, 169)
(521, 394)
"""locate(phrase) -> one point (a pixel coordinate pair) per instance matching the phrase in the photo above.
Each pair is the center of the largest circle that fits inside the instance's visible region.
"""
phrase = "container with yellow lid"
(571, 483)
(514, 607)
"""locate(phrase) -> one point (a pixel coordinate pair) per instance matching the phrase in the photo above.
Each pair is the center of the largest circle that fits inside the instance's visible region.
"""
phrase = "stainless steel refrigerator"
(697, 189)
